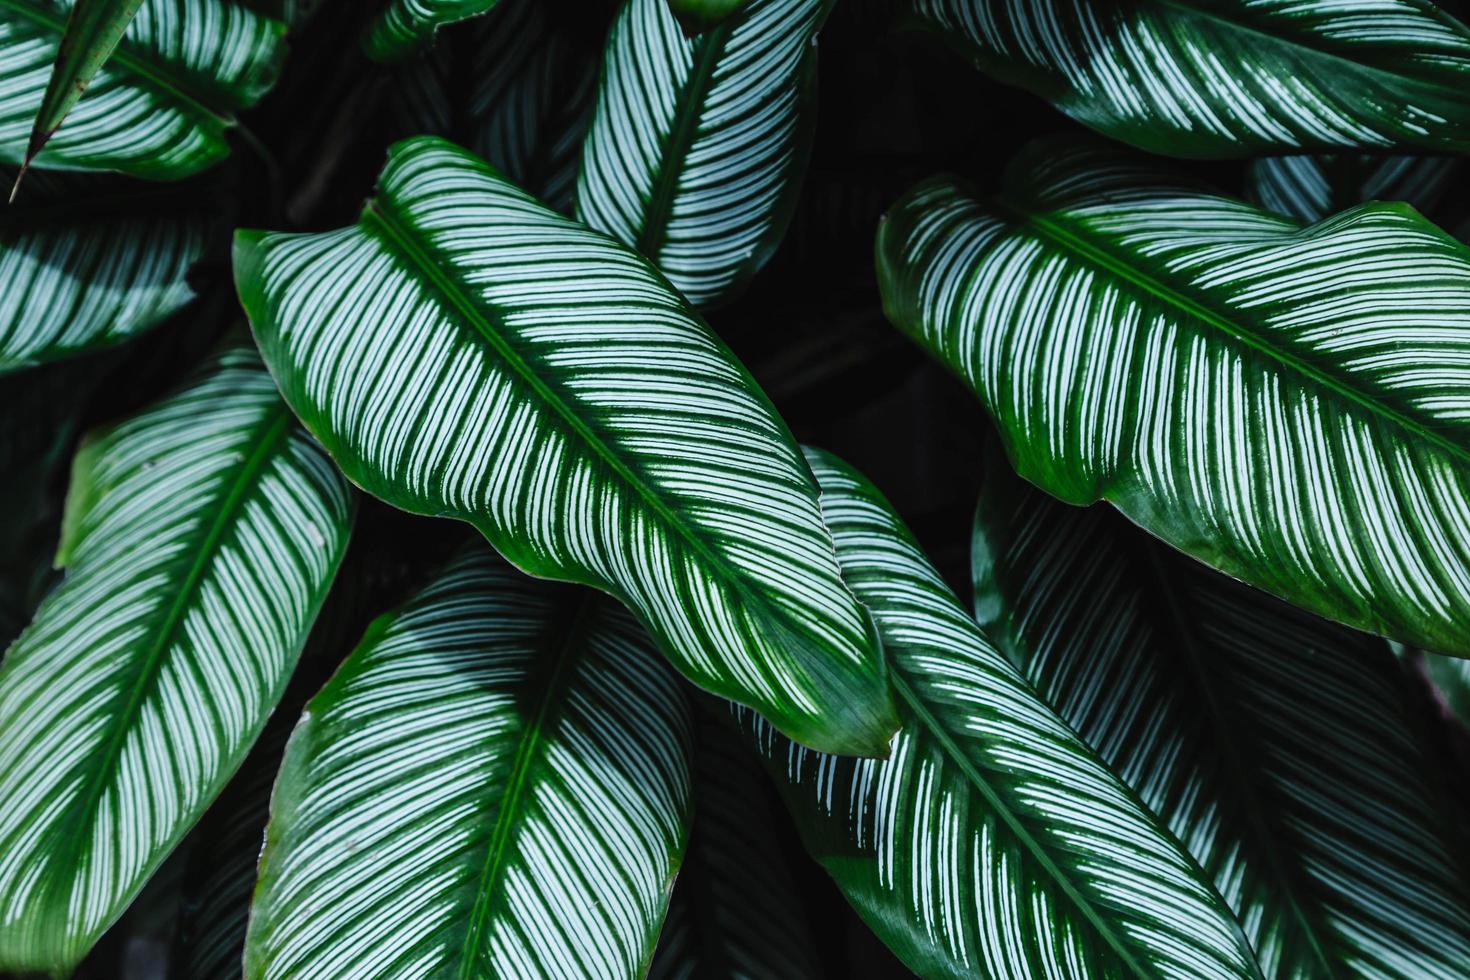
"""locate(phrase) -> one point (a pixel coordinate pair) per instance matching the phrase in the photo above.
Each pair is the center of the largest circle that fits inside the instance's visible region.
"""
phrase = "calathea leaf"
(89, 261)
(992, 842)
(1286, 404)
(1310, 188)
(463, 351)
(1280, 748)
(92, 31)
(735, 911)
(406, 26)
(200, 539)
(700, 15)
(495, 784)
(1231, 78)
(698, 146)
(161, 105)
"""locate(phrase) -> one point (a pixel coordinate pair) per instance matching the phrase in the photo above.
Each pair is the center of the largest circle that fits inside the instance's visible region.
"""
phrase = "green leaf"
(92, 31)
(993, 842)
(697, 16)
(736, 911)
(1451, 678)
(495, 784)
(1280, 748)
(200, 538)
(86, 263)
(1286, 404)
(161, 106)
(1231, 78)
(463, 351)
(698, 147)
(406, 27)
(1310, 188)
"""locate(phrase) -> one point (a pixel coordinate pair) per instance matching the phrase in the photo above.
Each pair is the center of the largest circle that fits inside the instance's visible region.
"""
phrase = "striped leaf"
(1310, 188)
(200, 538)
(463, 351)
(993, 842)
(736, 912)
(161, 106)
(698, 146)
(1284, 403)
(92, 31)
(86, 262)
(1280, 748)
(1231, 78)
(405, 27)
(495, 784)
(696, 16)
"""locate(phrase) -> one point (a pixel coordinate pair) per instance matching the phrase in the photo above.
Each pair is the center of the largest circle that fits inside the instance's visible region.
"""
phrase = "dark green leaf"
(407, 26)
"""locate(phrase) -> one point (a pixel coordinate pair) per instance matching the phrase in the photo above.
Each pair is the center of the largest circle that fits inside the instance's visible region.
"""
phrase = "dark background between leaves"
(896, 105)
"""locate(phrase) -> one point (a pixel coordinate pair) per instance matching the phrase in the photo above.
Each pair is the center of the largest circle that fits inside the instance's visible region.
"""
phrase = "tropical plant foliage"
(424, 548)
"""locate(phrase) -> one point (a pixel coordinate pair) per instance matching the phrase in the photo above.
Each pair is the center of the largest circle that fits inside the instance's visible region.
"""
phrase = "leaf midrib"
(555, 673)
(1032, 846)
(1052, 226)
(273, 426)
(395, 229)
(155, 72)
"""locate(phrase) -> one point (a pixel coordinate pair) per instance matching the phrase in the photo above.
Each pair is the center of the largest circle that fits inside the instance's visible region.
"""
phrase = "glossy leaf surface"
(1287, 404)
(1281, 749)
(1231, 78)
(464, 351)
(495, 784)
(200, 539)
(161, 106)
(406, 26)
(993, 842)
(698, 145)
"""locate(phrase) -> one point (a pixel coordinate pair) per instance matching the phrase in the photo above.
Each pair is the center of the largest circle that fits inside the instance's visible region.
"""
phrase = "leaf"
(1279, 402)
(495, 784)
(1451, 678)
(736, 911)
(200, 538)
(86, 263)
(465, 352)
(162, 104)
(1231, 78)
(407, 26)
(92, 31)
(1310, 188)
(992, 842)
(696, 16)
(1282, 749)
(698, 147)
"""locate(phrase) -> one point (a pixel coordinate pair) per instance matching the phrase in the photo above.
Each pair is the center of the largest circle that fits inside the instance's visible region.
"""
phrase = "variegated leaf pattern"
(1279, 747)
(1231, 78)
(201, 537)
(992, 842)
(495, 784)
(87, 263)
(1287, 404)
(698, 145)
(1310, 188)
(406, 26)
(161, 106)
(736, 912)
(464, 351)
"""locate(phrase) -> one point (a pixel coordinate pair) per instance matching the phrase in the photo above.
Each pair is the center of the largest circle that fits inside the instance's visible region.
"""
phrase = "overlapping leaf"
(87, 263)
(1280, 748)
(161, 105)
(1310, 188)
(464, 351)
(701, 15)
(735, 911)
(495, 784)
(1228, 78)
(406, 26)
(1287, 404)
(993, 842)
(200, 540)
(698, 146)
